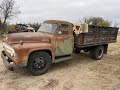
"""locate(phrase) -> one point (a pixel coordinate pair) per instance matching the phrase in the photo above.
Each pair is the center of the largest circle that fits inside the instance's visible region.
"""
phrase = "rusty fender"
(23, 51)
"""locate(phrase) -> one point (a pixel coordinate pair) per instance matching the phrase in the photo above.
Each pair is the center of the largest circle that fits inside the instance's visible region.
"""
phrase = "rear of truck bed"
(96, 36)
(96, 40)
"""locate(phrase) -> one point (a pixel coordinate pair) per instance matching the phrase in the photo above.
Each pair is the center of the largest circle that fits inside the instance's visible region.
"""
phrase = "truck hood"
(28, 37)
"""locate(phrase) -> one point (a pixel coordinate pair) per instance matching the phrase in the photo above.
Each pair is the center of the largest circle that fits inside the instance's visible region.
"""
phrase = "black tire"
(98, 52)
(92, 52)
(39, 63)
(77, 51)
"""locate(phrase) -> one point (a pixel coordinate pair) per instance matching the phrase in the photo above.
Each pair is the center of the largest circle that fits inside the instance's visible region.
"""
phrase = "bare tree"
(8, 10)
(86, 20)
(116, 24)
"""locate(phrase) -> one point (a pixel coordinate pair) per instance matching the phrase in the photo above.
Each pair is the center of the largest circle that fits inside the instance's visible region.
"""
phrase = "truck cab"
(62, 40)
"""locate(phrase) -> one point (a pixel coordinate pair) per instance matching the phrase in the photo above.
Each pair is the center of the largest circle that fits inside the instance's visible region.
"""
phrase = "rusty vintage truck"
(21, 28)
(55, 41)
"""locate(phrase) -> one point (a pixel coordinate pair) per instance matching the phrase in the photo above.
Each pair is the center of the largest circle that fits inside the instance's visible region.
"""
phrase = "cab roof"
(57, 21)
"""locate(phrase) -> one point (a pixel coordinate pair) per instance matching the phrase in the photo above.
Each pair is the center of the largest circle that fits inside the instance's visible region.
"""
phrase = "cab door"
(64, 40)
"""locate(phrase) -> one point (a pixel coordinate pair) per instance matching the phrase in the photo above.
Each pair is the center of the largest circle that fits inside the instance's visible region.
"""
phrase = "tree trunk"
(3, 25)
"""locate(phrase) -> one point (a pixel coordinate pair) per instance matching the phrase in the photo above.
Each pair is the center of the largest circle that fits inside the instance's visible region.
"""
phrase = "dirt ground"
(79, 73)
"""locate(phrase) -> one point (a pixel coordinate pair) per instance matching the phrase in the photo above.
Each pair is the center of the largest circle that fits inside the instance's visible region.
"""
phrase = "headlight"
(9, 49)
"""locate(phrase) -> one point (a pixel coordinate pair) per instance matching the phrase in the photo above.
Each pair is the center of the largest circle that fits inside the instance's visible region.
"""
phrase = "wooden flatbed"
(96, 35)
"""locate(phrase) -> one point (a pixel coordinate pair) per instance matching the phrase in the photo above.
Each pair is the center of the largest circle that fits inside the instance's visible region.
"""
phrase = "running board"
(62, 59)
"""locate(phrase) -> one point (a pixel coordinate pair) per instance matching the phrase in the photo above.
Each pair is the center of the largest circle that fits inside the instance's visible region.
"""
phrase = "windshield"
(48, 27)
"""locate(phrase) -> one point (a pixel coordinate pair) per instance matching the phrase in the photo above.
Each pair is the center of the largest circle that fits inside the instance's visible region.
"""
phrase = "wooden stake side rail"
(96, 36)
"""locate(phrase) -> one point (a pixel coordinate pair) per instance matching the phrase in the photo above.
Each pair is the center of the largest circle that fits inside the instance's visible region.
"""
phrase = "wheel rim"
(100, 53)
(38, 64)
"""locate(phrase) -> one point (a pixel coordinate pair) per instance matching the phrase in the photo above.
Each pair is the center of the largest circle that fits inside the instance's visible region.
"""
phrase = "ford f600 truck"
(55, 41)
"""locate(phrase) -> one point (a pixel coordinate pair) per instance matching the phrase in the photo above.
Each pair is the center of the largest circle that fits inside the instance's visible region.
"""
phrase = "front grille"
(8, 49)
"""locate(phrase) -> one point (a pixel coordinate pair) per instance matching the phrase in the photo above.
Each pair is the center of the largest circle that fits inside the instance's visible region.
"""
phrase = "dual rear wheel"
(97, 52)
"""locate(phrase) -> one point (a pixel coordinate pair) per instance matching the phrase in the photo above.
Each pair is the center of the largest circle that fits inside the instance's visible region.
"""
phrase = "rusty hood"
(28, 37)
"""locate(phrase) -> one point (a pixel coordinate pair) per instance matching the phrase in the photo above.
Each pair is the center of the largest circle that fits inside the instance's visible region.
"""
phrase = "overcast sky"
(70, 10)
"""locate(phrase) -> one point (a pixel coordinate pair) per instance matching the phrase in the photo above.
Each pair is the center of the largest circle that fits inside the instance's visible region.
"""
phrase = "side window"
(64, 28)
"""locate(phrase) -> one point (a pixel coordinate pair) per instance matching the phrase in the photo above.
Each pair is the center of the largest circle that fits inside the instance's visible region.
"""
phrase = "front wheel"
(39, 63)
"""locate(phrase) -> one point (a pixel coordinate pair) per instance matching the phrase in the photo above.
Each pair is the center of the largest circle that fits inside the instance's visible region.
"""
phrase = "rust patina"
(26, 43)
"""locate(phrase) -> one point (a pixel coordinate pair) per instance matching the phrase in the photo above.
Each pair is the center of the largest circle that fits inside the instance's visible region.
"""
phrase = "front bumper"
(6, 61)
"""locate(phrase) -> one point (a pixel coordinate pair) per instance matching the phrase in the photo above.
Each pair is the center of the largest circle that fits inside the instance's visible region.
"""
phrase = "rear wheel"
(39, 63)
(98, 52)
(77, 51)
(92, 52)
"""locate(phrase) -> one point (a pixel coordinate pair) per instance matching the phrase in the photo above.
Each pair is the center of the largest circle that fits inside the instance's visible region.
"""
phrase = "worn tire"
(33, 65)
(98, 52)
(77, 51)
(92, 52)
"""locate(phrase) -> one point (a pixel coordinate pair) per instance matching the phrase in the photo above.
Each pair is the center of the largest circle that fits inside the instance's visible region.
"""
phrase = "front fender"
(23, 51)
